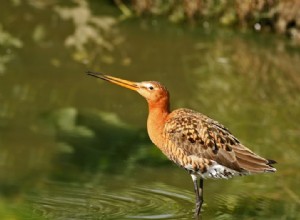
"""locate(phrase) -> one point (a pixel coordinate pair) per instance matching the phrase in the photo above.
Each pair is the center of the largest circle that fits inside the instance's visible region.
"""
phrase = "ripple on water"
(158, 201)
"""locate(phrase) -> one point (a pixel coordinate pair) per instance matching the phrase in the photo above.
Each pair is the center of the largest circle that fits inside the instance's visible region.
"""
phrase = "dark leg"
(199, 194)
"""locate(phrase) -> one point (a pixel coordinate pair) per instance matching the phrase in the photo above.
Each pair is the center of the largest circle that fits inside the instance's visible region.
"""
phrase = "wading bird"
(195, 142)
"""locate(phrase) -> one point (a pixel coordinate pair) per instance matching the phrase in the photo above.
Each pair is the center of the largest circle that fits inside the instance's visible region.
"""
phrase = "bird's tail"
(252, 162)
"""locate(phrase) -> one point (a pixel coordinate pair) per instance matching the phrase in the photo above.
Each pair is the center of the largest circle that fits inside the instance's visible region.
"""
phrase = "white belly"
(217, 171)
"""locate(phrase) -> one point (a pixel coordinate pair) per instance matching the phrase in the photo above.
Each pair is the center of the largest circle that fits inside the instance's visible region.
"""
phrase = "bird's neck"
(157, 116)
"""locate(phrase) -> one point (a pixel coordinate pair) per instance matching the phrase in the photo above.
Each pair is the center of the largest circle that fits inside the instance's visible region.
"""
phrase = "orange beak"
(121, 82)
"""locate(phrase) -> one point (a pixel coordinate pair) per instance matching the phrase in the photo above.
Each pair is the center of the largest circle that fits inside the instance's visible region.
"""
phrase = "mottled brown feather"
(200, 136)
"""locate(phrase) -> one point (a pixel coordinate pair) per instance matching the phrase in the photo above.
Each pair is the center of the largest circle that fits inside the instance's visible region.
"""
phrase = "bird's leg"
(199, 193)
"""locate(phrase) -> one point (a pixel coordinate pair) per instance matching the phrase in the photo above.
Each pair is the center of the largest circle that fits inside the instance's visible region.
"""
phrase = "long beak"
(121, 82)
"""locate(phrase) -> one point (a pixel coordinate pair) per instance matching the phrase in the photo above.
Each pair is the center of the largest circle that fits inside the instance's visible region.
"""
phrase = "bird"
(202, 146)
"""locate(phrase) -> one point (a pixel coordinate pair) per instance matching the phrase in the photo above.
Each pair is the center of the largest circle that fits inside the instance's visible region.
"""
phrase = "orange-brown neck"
(157, 116)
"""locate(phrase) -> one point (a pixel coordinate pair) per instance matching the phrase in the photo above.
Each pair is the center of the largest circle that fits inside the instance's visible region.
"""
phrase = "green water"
(72, 147)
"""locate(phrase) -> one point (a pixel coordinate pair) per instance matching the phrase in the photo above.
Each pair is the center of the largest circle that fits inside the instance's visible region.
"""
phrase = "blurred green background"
(72, 147)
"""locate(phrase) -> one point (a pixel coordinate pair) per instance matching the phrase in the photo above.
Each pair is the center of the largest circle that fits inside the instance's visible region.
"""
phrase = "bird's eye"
(151, 87)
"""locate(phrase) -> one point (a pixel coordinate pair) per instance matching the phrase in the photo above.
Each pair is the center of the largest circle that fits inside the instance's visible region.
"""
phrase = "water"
(72, 147)
(69, 201)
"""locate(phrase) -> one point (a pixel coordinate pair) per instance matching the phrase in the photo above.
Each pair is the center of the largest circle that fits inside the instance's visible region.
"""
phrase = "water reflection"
(93, 35)
(87, 141)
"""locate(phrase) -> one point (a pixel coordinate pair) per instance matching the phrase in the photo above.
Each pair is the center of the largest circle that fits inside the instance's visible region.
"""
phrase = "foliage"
(271, 15)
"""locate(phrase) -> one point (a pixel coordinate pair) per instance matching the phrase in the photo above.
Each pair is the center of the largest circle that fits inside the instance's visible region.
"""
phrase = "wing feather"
(198, 135)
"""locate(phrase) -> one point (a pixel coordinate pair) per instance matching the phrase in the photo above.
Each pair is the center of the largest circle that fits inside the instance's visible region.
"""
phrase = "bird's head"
(152, 91)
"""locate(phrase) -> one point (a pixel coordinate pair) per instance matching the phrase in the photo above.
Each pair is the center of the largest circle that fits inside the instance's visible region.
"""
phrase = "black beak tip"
(88, 72)
(95, 74)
